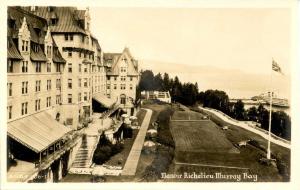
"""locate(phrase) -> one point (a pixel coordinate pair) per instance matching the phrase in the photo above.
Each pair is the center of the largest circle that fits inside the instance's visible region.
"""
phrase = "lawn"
(248, 157)
(200, 136)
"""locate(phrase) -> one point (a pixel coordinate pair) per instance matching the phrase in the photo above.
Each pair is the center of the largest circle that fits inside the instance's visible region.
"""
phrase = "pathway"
(247, 127)
(134, 155)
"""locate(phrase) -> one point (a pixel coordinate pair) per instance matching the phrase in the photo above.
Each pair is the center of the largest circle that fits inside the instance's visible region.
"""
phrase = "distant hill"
(236, 83)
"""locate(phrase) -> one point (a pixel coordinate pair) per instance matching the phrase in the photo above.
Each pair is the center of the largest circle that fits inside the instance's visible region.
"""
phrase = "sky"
(243, 39)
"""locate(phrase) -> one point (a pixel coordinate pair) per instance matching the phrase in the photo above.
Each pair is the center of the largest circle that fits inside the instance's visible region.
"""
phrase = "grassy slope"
(247, 158)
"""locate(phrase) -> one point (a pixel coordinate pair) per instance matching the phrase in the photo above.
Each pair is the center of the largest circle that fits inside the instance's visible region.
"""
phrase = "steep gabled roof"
(57, 57)
(112, 60)
(34, 23)
(68, 18)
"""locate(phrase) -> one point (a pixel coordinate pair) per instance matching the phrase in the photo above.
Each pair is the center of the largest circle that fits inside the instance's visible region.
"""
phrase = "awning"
(102, 99)
(37, 132)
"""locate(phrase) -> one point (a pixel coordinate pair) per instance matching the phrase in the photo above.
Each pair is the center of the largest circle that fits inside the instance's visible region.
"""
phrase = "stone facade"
(56, 65)
(122, 79)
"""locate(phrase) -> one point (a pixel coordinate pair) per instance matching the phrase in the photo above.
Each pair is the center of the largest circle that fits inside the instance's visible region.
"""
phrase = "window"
(79, 82)
(123, 99)
(123, 86)
(123, 69)
(48, 102)
(23, 45)
(70, 98)
(37, 104)
(26, 45)
(108, 87)
(10, 66)
(53, 21)
(48, 51)
(24, 108)
(24, 66)
(85, 96)
(79, 97)
(130, 87)
(70, 54)
(58, 84)
(79, 68)
(38, 67)
(115, 78)
(130, 78)
(9, 111)
(79, 54)
(70, 67)
(85, 69)
(38, 86)
(57, 67)
(9, 87)
(70, 83)
(108, 77)
(58, 99)
(24, 87)
(123, 78)
(71, 37)
(48, 67)
(66, 37)
(115, 86)
(85, 82)
(48, 84)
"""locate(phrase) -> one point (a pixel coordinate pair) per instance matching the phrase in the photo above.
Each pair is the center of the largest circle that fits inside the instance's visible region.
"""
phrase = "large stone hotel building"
(57, 76)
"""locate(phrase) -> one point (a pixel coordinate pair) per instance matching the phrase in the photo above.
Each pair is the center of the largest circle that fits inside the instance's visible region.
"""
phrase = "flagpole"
(270, 117)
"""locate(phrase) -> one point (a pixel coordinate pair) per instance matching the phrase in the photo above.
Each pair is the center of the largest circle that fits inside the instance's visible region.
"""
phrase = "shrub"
(160, 164)
(105, 149)
(164, 135)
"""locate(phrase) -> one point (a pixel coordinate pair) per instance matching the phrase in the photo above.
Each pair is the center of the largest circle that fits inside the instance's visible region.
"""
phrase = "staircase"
(84, 155)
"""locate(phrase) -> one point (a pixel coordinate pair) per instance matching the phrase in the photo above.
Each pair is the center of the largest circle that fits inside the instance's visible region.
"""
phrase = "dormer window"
(53, 21)
(12, 23)
(24, 45)
(35, 47)
(37, 31)
(50, 9)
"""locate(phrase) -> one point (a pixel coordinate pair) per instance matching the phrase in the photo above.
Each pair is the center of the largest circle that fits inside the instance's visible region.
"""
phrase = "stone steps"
(83, 158)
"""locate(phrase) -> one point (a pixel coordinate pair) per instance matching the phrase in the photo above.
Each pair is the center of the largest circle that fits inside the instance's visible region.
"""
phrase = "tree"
(216, 99)
(147, 80)
(252, 114)
(239, 110)
(158, 82)
(166, 82)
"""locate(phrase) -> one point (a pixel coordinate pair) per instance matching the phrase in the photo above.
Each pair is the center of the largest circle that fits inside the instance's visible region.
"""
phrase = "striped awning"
(102, 99)
(37, 132)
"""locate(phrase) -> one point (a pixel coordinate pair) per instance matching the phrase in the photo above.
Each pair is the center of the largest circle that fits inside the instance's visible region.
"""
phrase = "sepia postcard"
(150, 94)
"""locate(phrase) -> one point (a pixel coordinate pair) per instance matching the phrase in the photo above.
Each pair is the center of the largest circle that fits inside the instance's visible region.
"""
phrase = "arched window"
(57, 116)
(122, 99)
